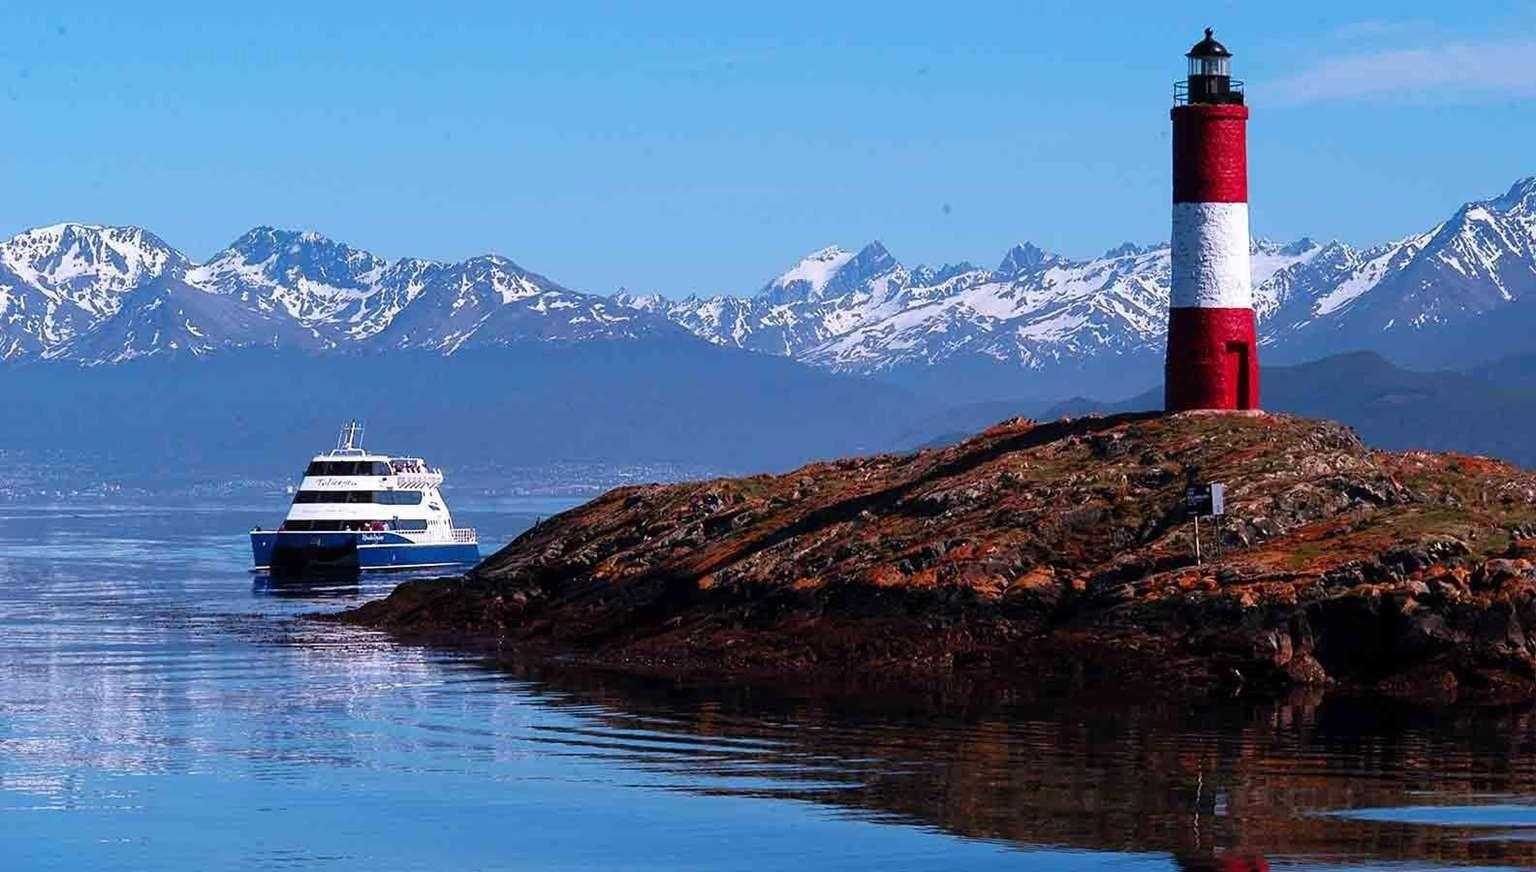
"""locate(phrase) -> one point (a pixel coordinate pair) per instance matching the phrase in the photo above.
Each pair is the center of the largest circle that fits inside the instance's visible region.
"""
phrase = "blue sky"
(705, 147)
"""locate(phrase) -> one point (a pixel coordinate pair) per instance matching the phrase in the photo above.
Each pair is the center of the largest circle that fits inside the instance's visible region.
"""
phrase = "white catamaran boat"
(359, 510)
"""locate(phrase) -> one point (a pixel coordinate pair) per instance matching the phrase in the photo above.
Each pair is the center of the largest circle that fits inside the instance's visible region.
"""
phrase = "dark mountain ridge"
(256, 411)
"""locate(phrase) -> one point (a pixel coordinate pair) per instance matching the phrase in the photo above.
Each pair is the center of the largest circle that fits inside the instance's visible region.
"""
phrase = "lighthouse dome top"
(1208, 47)
(1210, 75)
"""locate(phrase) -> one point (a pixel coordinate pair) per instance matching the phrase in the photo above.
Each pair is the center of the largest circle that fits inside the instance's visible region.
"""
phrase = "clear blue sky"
(705, 147)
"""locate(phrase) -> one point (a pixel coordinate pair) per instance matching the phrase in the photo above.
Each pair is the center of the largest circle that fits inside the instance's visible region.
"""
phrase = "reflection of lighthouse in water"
(1223, 863)
(1213, 360)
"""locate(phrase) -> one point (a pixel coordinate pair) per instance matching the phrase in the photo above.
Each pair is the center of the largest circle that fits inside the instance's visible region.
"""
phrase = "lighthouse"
(1213, 360)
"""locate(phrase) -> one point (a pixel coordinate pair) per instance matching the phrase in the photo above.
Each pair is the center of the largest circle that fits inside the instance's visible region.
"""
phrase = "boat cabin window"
(350, 526)
(333, 497)
(347, 467)
(387, 498)
(313, 526)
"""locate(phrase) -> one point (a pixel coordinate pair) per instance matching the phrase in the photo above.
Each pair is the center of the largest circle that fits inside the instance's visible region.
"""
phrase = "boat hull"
(297, 552)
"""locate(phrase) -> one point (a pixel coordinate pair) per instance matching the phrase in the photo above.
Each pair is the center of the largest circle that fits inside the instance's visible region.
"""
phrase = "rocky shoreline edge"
(1040, 556)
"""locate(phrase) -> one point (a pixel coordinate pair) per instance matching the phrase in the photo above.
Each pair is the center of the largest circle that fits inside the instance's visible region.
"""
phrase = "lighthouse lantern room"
(1210, 73)
(1212, 360)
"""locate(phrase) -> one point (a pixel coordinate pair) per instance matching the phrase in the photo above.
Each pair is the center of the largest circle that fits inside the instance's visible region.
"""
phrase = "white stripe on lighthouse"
(1210, 256)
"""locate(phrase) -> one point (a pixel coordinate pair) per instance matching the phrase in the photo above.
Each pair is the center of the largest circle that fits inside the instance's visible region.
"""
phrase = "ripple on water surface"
(161, 707)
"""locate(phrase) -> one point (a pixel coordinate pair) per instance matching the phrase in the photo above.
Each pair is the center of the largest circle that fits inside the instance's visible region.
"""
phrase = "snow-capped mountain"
(59, 281)
(104, 294)
(1024, 257)
(1480, 261)
(168, 317)
(490, 301)
(1041, 311)
(1036, 310)
(348, 297)
(825, 294)
(111, 294)
(305, 275)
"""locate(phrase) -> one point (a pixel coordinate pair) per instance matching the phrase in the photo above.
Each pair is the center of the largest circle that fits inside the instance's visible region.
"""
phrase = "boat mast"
(351, 436)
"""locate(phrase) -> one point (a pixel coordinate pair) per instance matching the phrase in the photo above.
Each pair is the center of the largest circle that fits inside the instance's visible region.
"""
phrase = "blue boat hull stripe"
(344, 549)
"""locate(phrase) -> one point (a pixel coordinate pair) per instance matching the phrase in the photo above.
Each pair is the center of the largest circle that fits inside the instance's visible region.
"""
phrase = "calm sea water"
(160, 708)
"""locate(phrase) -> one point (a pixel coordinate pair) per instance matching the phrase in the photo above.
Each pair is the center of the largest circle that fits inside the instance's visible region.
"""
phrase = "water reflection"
(1190, 863)
(342, 586)
(160, 707)
(1326, 780)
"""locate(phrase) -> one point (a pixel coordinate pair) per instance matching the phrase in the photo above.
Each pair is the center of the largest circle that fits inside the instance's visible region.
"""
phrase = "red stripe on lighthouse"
(1210, 154)
(1213, 360)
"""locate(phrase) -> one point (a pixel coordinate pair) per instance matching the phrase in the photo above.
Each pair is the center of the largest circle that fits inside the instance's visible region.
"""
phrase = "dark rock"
(1039, 552)
(1306, 671)
(1496, 573)
(1430, 682)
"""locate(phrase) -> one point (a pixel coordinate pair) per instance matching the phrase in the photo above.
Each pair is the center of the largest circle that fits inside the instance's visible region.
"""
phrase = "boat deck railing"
(417, 480)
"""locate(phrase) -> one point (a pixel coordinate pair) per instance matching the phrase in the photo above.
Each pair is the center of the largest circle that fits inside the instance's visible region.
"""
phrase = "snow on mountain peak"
(1024, 256)
(1129, 249)
(1520, 199)
(812, 273)
(651, 302)
(306, 253)
(1296, 248)
(937, 275)
(86, 256)
(60, 280)
(302, 273)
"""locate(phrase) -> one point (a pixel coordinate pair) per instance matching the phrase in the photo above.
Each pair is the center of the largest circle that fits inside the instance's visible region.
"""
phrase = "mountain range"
(113, 342)
(95, 295)
(1038, 324)
(1045, 324)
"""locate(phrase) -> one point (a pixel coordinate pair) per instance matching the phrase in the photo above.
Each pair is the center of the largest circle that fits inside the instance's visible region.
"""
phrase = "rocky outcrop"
(1041, 554)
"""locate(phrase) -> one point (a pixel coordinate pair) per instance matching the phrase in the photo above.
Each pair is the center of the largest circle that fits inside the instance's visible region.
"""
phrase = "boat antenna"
(351, 436)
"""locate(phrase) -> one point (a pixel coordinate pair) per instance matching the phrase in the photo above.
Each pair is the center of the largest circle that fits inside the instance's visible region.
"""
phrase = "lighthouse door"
(1238, 375)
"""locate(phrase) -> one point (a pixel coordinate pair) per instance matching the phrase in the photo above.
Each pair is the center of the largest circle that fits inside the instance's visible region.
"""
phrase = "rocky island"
(1039, 555)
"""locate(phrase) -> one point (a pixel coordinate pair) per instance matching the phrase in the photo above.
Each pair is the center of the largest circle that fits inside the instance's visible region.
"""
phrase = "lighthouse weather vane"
(1213, 360)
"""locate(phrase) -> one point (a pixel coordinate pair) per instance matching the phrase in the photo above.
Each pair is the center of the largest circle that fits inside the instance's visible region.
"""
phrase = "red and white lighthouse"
(1213, 360)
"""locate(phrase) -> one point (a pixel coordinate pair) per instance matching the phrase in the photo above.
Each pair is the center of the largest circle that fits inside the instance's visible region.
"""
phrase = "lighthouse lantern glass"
(1210, 66)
